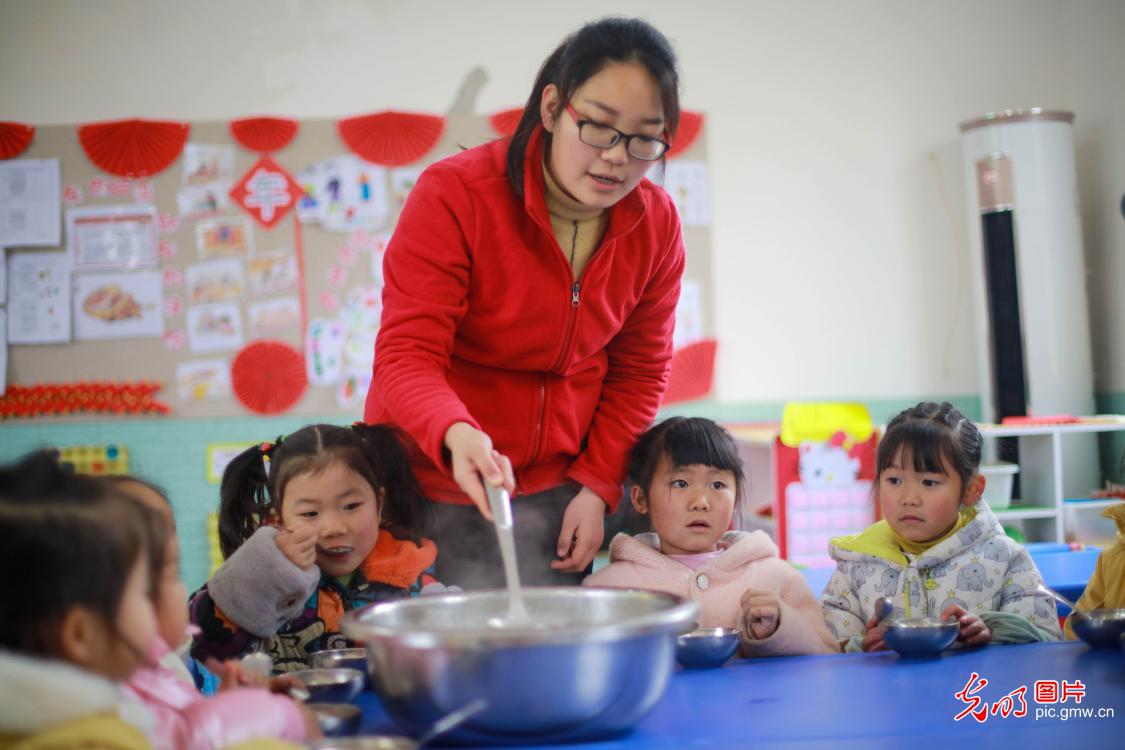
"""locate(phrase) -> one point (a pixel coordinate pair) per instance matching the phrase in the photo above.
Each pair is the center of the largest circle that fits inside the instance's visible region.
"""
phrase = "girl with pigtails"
(317, 523)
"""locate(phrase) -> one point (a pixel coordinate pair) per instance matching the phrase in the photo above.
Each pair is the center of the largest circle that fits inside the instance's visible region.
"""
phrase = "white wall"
(832, 134)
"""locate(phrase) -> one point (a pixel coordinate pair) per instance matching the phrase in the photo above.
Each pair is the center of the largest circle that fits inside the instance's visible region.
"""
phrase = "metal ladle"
(501, 505)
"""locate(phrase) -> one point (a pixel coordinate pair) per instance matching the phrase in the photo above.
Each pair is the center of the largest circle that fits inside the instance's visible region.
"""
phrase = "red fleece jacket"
(483, 322)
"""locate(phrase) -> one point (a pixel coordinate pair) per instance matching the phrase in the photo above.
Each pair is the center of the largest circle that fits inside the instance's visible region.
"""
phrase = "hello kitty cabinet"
(811, 477)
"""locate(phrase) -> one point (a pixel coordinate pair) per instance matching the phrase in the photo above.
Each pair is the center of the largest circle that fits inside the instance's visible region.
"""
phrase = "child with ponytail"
(321, 521)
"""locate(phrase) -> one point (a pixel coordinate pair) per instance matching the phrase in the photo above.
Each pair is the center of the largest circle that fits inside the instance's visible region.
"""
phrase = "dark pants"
(469, 555)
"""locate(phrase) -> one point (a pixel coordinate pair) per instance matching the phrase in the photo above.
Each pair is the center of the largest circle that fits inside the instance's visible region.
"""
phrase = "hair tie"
(266, 448)
(354, 426)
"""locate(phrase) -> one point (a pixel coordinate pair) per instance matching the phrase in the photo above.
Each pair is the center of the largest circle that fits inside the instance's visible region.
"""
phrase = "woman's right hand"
(473, 459)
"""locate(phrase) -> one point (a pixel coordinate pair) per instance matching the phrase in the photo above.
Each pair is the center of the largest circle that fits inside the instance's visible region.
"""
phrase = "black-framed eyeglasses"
(643, 147)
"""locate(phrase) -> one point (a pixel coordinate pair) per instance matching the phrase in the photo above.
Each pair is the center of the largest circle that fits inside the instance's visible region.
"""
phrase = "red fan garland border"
(692, 373)
(505, 121)
(264, 134)
(392, 139)
(101, 397)
(15, 137)
(690, 125)
(135, 147)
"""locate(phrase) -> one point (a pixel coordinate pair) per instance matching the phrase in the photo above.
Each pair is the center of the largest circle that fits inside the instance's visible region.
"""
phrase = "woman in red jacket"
(531, 287)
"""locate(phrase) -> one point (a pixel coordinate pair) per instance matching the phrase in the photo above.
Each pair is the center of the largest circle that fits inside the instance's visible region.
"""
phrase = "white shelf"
(1024, 512)
(1092, 504)
(1104, 423)
(1041, 471)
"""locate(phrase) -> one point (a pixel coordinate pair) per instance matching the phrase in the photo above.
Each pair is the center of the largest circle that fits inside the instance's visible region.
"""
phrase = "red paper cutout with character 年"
(267, 192)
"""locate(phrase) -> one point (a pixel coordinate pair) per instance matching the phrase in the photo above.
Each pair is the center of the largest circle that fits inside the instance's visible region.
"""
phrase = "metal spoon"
(1043, 590)
(884, 606)
(262, 663)
(452, 721)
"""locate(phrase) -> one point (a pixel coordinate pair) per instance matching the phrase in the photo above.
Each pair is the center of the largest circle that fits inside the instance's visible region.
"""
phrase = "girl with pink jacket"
(687, 477)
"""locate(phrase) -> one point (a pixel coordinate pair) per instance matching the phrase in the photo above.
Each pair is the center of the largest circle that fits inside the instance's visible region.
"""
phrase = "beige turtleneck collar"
(577, 227)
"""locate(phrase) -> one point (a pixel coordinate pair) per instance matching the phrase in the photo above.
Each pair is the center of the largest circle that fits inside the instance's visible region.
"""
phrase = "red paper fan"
(505, 121)
(392, 138)
(693, 372)
(690, 125)
(268, 377)
(264, 134)
(133, 148)
(14, 138)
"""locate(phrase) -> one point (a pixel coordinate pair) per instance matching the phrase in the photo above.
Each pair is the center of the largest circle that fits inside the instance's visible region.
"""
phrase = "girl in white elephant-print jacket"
(939, 550)
(979, 569)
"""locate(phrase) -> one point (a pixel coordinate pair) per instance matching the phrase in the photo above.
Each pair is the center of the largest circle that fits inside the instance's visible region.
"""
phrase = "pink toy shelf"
(812, 474)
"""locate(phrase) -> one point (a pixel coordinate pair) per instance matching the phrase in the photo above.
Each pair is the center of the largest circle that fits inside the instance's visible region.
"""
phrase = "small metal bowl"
(1101, 628)
(349, 658)
(331, 685)
(336, 719)
(707, 647)
(920, 636)
(380, 742)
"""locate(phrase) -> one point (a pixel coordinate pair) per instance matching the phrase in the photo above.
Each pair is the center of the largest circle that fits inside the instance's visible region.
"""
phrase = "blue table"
(872, 700)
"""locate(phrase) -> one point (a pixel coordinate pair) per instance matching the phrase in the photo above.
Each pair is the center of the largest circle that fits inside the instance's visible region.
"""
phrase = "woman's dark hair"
(581, 56)
(68, 541)
(685, 441)
(249, 495)
(925, 434)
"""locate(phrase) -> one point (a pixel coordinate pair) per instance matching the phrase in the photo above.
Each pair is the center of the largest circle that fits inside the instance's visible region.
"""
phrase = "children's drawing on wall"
(689, 315)
(203, 380)
(226, 236)
(402, 182)
(362, 308)
(272, 272)
(324, 350)
(344, 193)
(688, 184)
(274, 317)
(116, 306)
(194, 201)
(206, 162)
(215, 280)
(353, 386)
(213, 328)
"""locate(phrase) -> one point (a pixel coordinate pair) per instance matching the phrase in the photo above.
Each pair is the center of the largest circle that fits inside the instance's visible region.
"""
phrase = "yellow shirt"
(1106, 589)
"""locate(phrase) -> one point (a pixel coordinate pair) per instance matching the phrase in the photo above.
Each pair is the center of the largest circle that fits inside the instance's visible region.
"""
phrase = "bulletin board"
(244, 276)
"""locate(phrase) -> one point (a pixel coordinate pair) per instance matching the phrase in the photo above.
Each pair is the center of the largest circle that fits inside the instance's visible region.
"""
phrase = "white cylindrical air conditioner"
(1029, 280)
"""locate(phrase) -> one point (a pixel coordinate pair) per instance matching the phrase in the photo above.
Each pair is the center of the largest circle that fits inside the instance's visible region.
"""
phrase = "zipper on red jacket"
(568, 332)
(575, 299)
(540, 411)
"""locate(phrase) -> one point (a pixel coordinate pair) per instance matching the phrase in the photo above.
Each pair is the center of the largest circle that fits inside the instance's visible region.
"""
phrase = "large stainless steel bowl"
(594, 662)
